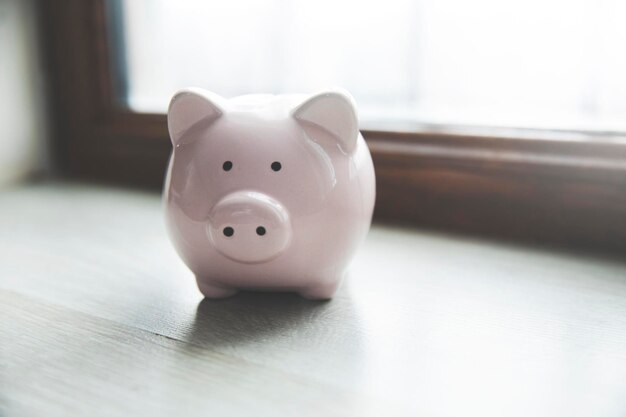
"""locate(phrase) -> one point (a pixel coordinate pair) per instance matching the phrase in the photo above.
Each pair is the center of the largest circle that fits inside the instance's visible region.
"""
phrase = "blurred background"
(23, 112)
(554, 64)
(534, 63)
(503, 117)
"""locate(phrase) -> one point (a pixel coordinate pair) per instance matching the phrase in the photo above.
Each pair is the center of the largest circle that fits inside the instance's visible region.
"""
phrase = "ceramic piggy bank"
(267, 192)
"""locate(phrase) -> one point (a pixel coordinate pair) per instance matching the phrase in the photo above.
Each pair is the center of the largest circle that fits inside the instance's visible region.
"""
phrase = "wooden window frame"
(534, 185)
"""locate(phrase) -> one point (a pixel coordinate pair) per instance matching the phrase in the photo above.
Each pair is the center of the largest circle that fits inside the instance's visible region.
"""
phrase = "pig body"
(267, 192)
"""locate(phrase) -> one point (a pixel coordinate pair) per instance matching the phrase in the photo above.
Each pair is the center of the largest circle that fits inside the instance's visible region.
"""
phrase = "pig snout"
(249, 226)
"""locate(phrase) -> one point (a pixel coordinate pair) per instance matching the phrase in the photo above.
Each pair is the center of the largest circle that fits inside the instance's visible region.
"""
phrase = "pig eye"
(227, 166)
(276, 166)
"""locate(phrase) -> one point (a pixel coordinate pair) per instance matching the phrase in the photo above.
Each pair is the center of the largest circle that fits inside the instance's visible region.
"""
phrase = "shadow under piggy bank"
(283, 330)
(251, 317)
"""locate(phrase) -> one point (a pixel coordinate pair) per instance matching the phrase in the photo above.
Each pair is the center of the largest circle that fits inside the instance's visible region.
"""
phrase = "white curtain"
(525, 63)
(23, 129)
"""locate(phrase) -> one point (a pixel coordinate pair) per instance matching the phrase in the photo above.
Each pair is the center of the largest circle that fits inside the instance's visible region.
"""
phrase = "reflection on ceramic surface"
(267, 192)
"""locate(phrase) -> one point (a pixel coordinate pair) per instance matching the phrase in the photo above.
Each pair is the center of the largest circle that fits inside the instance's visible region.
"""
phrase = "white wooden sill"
(98, 316)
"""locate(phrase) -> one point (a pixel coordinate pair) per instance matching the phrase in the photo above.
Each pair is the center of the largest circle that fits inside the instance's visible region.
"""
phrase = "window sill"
(92, 294)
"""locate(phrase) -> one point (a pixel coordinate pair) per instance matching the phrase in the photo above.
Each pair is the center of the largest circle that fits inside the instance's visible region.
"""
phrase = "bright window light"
(520, 63)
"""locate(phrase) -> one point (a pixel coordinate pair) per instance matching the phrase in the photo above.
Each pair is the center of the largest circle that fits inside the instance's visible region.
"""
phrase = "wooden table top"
(99, 317)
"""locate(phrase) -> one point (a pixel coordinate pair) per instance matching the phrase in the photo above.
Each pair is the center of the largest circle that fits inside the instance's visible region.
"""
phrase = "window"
(498, 118)
(541, 64)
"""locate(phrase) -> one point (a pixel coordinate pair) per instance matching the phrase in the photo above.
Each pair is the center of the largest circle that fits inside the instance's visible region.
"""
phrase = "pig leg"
(320, 291)
(212, 290)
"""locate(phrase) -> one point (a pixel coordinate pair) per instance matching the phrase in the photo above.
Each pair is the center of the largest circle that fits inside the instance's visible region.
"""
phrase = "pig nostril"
(229, 231)
(260, 230)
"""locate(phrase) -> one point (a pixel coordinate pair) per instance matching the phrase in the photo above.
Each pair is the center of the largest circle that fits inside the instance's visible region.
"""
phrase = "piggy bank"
(267, 192)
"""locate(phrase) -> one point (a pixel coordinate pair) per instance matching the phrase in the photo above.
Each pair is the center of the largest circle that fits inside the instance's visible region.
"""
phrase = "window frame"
(533, 185)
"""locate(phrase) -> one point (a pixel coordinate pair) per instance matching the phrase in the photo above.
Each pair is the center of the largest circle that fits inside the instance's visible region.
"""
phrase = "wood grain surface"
(98, 316)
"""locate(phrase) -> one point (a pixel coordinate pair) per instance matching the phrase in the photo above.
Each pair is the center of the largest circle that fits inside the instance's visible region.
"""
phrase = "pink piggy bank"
(267, 192)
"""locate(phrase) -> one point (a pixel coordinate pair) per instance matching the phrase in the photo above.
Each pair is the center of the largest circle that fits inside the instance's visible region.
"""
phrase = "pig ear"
(189, 107)
(333, 111)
